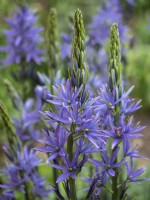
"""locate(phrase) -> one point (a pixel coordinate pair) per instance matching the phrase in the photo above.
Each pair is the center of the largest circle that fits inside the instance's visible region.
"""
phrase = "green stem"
(27, 195)
(55, 175)
(115, 181)
(115, 83)
(70, 146)
(72, 189)
(73, 195)
(115, 178)
(52, 74)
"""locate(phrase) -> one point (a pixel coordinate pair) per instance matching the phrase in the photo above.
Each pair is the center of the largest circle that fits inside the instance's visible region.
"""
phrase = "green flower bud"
(79, 67)
(115, 58)
(52, 39)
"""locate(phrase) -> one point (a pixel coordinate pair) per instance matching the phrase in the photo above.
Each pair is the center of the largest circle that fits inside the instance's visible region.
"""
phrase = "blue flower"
(107, 101)
(65, 116)
(108, 163)
(96, 185)
(129, 105)
(133, 174)
(87, 148)
(70, 107)
(129, 150)
(23, 170)
(22, 38)
(123, 131)
(54, 143)
(65, 96)
(89, 128)
(39, 185)
(71, 168)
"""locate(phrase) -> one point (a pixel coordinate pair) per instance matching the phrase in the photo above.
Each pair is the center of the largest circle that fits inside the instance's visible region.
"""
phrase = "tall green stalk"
(53, 58)
(79, 71)
(14, 142)
(73, 195)
(12, 137)
(115, 82)
(52, 44)
(78, 77)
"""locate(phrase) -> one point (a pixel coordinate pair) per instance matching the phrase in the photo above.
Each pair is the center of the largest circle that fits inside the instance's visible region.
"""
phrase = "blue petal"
(63, 177)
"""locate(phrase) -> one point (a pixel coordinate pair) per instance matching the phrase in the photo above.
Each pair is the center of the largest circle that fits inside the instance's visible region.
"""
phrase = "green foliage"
(138, 72)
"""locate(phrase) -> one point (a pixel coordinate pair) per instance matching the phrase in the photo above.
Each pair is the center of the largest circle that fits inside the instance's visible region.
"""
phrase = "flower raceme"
(89, 135)
(23, 38)
(82, 127)
(22, 171)
(75, 113)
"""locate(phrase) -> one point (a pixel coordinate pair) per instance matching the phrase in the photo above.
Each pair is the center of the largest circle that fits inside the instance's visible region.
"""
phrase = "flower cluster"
(113, 107)
(23, 176)
(21, 173)
(85, 126)
(75, 126)
(22, 38)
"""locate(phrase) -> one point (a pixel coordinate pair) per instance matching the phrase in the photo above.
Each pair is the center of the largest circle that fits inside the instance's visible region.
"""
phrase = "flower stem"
(115, 181)
(27, 195)
(115, 84)
(70, 146)
(72, 189)
(73, 195)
